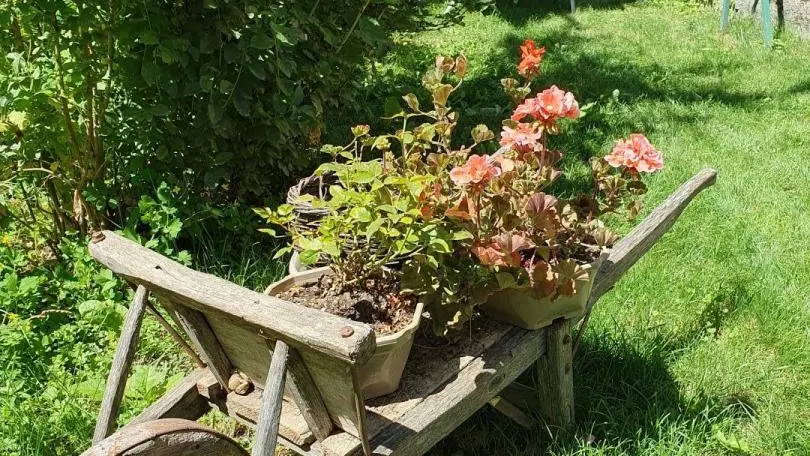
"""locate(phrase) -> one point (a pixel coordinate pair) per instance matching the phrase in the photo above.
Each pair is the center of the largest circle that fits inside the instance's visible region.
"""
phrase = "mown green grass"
(704, 346)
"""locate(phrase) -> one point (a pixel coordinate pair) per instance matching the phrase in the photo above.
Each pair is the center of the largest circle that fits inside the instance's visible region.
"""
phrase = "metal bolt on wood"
(346, 331)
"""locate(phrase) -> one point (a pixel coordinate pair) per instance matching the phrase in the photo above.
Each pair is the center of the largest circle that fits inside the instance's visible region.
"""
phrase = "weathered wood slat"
(245, 409)
(434, 418)
(633, 246)
(176, 336)
(124, 352)
(511, 411)
(202, 337)
(523, 396)
(299, 326)
(360, 410)
(182, 401)
(306, 396)
(331, 375)
(417, 425)
(270, 410)
(427, 371)
(555, 379)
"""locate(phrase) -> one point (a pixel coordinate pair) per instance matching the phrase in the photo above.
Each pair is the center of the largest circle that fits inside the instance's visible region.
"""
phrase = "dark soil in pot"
(377, 302)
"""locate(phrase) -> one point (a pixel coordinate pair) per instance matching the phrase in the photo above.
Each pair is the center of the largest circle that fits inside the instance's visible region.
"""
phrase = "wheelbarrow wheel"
(166, 437)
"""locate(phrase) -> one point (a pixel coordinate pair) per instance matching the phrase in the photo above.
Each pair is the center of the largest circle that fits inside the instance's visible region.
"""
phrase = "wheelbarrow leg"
(122, 361)
(555, 379)
(270, 409)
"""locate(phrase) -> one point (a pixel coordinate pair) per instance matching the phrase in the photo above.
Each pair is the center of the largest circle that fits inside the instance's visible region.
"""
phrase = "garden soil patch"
(377, 302)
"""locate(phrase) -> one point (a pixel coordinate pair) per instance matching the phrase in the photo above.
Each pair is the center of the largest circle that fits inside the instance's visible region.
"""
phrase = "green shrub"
(101, 103)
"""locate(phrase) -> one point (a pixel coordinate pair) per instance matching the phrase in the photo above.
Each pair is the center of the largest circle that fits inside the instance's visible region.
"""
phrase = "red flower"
(530, 58)
(636, 153)
(477, 171)
(548, 106)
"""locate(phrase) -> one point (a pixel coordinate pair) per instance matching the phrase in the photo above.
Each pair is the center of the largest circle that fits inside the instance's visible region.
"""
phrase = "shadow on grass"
(613, 86)
(520, 12)
(625, 394)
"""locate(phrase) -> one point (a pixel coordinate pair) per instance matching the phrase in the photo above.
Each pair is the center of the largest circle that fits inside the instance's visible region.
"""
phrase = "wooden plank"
(523, 396)
(182, 401)
(245, 409)
(437, 415)
(299, 326)
(427, 371)
(331, 376)
(307, 398)
(176, 336)
(633, 246)
(555, 377)
(202, 337)
(270, 410)
(360, 410)
(124, 352)
(511, 411)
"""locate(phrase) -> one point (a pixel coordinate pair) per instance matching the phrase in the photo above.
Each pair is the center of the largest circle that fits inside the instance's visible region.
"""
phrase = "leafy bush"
(102, 103)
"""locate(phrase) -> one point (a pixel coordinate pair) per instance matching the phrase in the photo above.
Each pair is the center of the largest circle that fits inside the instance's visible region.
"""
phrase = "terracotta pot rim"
(387, 339)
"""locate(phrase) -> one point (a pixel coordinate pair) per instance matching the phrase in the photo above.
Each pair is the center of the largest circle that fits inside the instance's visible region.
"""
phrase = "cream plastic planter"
(518, 306)
(382, 373)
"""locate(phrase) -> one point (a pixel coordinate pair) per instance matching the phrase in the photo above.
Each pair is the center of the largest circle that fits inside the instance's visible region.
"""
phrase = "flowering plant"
(454, 224)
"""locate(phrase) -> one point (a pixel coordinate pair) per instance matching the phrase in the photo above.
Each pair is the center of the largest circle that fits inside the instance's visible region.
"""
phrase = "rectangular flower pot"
(519, 306)
(382, 373)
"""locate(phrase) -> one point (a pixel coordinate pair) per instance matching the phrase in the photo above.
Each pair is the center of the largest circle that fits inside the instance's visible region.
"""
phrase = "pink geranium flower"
(523, 138)
(548, 106)
(478, 170)
(636, 153)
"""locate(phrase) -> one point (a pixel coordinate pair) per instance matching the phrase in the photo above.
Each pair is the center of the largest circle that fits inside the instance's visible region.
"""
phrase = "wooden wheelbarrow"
(291, 372)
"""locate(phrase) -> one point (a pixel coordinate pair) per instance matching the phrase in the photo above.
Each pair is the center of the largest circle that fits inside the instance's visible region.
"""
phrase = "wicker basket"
(306, 216)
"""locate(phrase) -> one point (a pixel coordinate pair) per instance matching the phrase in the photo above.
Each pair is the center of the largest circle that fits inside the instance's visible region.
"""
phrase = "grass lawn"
(704, 346)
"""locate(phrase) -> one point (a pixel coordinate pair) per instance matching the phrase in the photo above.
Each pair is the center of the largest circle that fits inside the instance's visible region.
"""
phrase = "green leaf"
(374, 227)
(308, 257)
(331, 248)
(281, 252)
(149, 72)
(310, 244)
(160, 110)
(242, 105)
(412, 101)
(215, 111)
(482, 133)
(149, 37)
(506, 280)
(461, 235)
(391, 107)
(28, 284)
(261, 41)
(440, 245)
(361, 214)
(257, 69)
